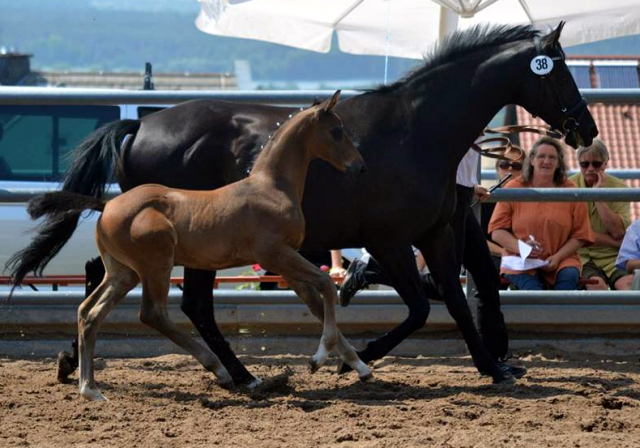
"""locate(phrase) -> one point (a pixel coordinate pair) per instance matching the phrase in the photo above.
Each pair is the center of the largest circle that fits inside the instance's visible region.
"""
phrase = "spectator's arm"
(569, 248)
(632, 265)
(604, 239)
(336, 264)
(506, 239)
(613, 222)
(494, 248)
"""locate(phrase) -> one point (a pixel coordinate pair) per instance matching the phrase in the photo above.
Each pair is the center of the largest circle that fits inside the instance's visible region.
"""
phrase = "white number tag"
(541, 65)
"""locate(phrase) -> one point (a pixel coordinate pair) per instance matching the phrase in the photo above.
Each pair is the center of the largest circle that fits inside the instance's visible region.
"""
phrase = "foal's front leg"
(317, 291)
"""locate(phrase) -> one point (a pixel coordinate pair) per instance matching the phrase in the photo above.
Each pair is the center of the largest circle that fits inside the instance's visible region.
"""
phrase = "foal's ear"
(331, 102)
(554, 36)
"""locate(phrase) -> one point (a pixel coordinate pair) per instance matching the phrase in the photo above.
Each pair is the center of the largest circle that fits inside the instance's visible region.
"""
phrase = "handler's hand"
(480, 193)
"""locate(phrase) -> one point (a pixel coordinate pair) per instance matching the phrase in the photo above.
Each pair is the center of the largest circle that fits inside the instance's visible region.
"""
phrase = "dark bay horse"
(412, 134)
(144, 232)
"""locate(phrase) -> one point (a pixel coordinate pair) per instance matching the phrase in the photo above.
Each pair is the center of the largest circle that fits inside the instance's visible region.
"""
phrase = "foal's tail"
(62, 210)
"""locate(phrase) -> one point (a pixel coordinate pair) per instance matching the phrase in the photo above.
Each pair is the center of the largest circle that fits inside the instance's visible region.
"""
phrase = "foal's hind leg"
(114, 287)
(155, 288)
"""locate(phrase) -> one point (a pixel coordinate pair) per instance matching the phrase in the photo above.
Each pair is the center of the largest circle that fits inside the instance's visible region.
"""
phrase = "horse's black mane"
(462, 43)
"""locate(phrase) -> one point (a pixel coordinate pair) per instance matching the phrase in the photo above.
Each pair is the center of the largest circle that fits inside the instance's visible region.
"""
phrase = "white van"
(35, 143)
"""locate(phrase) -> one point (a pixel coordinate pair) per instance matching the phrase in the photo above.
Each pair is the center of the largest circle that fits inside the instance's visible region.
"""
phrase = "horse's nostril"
(594, 131)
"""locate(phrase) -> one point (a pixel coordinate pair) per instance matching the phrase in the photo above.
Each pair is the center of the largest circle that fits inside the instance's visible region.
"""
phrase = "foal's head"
(330, 141)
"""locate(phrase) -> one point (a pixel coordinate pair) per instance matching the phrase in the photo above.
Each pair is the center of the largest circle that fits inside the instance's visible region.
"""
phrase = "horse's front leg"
(398, 262)
(438, 249)
(197, 304)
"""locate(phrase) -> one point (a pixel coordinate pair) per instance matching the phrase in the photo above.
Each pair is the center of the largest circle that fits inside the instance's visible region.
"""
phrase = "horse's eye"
(337, 133)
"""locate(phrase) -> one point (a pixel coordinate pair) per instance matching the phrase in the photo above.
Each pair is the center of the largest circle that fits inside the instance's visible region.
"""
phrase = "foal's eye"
(337, 133)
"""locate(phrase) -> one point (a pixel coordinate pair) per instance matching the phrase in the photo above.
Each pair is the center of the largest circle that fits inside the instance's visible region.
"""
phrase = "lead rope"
(506, 147)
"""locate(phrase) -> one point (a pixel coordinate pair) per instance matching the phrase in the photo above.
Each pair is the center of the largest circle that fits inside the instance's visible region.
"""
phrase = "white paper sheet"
(516, 263)
(521, 262)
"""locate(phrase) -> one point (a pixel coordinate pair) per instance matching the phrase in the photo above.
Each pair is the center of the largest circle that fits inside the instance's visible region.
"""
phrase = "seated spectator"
(608, 221)
(555, 230)
(503, 169)
(629, 256)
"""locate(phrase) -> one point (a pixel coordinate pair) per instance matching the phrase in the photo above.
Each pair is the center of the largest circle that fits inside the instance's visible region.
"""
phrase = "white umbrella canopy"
(407, 28)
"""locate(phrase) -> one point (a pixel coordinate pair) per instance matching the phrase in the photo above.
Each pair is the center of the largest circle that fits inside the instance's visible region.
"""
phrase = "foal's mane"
(462, 43)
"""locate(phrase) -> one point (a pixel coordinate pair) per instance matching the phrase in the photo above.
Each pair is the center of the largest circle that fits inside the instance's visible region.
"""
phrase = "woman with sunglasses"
(608, 221)
(554, 230)
(503, 168)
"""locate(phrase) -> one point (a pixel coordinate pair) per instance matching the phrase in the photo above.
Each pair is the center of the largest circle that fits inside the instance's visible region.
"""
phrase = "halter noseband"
(569, 122)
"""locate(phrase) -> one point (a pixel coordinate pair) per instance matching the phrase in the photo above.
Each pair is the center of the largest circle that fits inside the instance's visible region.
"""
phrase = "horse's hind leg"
(155, 288)
(114, 287)
(197, 304)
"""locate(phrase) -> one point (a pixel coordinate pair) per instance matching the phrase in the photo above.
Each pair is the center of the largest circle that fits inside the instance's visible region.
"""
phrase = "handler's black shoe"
(353, 282)
(517, 372)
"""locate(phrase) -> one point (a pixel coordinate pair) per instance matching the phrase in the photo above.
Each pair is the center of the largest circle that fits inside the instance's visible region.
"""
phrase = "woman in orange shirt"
(555, 230)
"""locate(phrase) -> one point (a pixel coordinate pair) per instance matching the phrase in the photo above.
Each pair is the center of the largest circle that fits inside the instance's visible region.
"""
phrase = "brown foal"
(143, 233)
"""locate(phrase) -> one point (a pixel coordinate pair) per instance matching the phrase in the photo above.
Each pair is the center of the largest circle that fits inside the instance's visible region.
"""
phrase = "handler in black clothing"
(472, 252)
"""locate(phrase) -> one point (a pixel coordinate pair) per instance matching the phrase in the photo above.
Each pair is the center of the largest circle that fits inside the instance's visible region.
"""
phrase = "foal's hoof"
(367, 378)
(66, 366)
(313, 366)
(343, 368)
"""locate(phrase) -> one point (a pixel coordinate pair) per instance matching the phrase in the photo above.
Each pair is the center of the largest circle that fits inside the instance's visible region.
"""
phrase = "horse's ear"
(554, 36)
(331, 102)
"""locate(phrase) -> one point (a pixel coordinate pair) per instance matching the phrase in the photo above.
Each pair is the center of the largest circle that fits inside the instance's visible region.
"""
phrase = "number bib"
(541, 65)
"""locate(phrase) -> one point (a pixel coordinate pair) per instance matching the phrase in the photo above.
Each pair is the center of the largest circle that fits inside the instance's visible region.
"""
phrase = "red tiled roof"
(619, 126)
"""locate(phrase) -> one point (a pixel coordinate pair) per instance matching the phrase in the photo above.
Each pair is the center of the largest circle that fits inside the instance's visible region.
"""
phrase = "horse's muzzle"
(356, 167)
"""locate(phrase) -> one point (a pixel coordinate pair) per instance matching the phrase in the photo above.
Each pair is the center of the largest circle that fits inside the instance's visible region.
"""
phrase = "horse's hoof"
(66, 366)
(228, 385)
(254, 383)
(313, 366)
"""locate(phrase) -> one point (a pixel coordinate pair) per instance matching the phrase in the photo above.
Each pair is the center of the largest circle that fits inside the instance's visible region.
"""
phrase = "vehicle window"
(143, 111)
(35, 140)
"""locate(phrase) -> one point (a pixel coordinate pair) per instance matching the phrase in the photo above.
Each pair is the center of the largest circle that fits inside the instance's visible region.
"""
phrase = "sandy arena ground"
(169, 401)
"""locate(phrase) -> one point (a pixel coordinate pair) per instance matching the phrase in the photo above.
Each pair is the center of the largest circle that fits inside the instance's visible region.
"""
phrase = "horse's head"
(330, 141)
(551, 93)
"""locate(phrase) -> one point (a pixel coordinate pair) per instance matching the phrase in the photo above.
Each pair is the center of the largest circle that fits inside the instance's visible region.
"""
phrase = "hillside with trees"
(121, 35)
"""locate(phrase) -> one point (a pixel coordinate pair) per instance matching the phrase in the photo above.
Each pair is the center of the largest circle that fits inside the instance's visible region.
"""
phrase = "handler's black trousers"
(473, 252)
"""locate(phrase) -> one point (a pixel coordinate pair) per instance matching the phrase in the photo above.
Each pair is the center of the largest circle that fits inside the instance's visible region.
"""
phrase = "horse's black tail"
(94, 158)
(62, 210)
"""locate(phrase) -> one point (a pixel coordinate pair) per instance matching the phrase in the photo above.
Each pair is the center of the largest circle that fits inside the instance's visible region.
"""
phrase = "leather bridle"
(569, 121)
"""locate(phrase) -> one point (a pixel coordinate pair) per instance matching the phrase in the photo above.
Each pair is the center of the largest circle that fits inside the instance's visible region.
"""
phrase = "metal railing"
(19, 195)
(52, 96)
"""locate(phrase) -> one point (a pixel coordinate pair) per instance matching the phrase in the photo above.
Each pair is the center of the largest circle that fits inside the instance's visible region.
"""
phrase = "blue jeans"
(566, 280)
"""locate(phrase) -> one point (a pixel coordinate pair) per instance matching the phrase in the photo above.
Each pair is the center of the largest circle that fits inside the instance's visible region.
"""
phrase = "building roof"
(619, 126)
(134, 80)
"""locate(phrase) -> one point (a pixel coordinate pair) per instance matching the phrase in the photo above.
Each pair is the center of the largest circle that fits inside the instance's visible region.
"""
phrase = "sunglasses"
(513, 165)
(595, 163)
